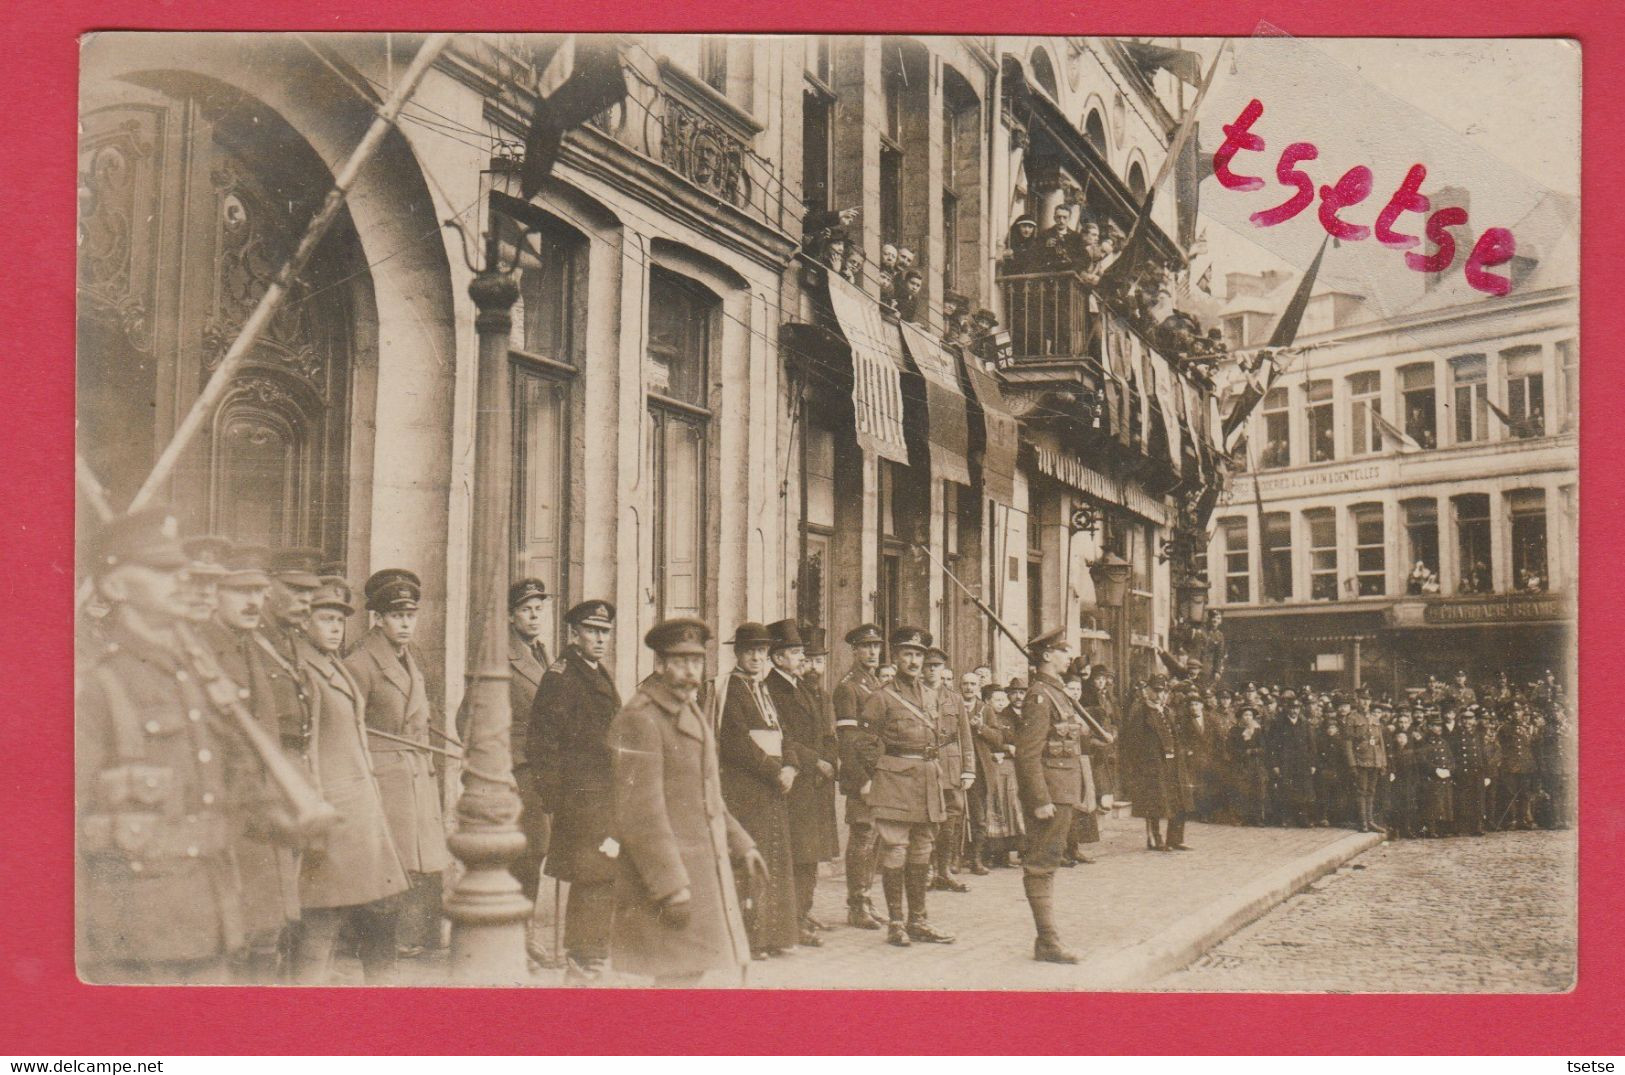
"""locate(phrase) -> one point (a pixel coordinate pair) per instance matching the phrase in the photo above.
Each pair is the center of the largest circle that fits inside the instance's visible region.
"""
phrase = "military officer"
(200, 581)
(158, 897)
(956, 762)
(1049, 770)
(903, 788)
(397, 703)
(568, 752)
(293, 581)
(269, 870)
(1367, 758)
(677, 910)
(527, 663)
(858, 748)
(1471, 774)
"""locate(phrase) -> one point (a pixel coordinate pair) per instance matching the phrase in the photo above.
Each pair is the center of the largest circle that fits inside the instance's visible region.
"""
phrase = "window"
(1277, 430)
(1421, 413)
(1238, 581)
(1529, 568)
(1421, 546)
(1370, 555)
(891, 194)
(678, 361)
(546, 297)
(1322, 554)
(1044, 74)
(1276, 541)
(892, 86)
(819, 58)
(541, 513)
(1365, 402)
(1035, 564)
(1471, 392)
(950, 197)
(1094, 131)
(714, 63)
(1322, 446)
(1568, 364)
(1472, 543)
(820, 477)
(1136, 182)
(1526, 391)
(817, 131)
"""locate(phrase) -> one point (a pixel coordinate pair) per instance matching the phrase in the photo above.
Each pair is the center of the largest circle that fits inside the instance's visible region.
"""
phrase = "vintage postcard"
(835, 512)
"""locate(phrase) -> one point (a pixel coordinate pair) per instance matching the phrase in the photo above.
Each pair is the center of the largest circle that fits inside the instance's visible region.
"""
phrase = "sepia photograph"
(827, 512)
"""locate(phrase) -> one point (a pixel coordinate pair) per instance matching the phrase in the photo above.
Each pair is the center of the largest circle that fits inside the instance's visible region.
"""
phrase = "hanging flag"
(583, 78)
(1286, 331)
(1206, 281)
(1404, 443)
(1187, 187)
(1518, 427)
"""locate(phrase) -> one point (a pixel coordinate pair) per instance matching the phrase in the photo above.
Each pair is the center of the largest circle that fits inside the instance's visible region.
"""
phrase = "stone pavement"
(1489, 914)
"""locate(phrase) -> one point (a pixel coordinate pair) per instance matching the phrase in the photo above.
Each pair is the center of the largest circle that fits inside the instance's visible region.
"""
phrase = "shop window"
(1471, 394)
(1473, 555)
(1322, 435)
(1421, 547)
(1526, 391)
(1421, 406)
(1322, 526)
(1277, 430)
(1527, 508)
(1238, 572)
(1365, 406)
(1370, 551)
(1276, 543)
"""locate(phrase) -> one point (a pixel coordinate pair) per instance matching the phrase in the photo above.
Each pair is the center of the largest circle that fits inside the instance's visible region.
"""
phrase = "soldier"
(809, 746)
(903, 788)
(677, 912)
(757, 775)
(357, 877)
(293, 581)
(956, 762)
(527, 663)
(1437, 766)
(858, 749)
(570, 762)
(1366, 756)
(158, 900)
(1472, 775)
(269, 870)
(200, 582)
(1049, 746)
(1518, 771)
(397, 703)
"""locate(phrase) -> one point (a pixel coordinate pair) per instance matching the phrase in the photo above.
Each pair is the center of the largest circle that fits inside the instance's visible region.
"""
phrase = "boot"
(941, 856)
(919, 929)
(978, 868)
(1040, 897)
(892, 882)
(1153, 834)
(859, 877)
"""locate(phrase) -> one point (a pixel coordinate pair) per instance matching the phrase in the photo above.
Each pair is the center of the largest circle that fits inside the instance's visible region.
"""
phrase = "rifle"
(982, 607)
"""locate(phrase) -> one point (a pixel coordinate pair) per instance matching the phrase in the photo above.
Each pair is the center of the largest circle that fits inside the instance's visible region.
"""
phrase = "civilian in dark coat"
(1249, 769)
(1402, 787)
(1331, 775)
(757, 775)
(809, 745)
(1293, 763)
(1438, 766)
(571, 764)
(1155, 766)
(1471, 775)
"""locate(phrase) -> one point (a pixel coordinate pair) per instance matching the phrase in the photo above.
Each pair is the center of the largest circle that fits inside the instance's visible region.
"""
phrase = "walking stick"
(413, 743)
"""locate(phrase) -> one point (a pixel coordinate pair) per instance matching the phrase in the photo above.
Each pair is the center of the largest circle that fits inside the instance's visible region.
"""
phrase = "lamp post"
(488, 912)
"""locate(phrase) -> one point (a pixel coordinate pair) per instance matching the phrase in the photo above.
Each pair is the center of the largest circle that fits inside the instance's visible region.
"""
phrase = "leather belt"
(915, 755)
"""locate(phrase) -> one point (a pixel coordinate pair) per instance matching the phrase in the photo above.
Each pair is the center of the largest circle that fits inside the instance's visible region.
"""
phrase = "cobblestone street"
(1495, 914)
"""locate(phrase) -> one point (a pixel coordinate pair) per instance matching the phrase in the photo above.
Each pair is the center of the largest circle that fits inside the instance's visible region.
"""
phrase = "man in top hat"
(158, 898)
(858, 748)
(956, 763)
(903, 788)
(1366, 755)
(269, 869)
(1050, 742)
(758, 771)
(677, 908)
(572, 770)
(527, 663)
(397, 704)
(809, 746)
(293, 581)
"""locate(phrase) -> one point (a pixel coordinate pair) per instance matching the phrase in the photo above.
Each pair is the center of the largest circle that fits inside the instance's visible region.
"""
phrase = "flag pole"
(203, 406)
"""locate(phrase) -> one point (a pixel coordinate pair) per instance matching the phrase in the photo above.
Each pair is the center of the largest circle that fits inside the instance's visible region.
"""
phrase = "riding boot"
(942, 857)
(859, 878)
(1040, 897)
(978, 848)
(891, 881)
(919, 929)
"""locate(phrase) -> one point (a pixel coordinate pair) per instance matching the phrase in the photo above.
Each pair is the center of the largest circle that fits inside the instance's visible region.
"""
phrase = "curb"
(1176, 947)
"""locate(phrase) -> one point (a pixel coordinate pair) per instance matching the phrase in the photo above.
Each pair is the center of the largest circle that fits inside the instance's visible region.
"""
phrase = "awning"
(877, 370)
(1070, 470)
(1000, 435)
(947, 435)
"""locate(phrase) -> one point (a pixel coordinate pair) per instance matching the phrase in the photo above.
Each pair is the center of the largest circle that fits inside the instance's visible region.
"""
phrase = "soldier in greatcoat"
(1156, 764)
(809, 745)
(903, 788)
(956, 762)
(527, 663)
(397, 703)
(572, 769)
(677, 910)
(1437, 770)
(357, 876)
(269, 869)
(157, 893)
(1471, 774)
(1049, 768)
(858, 748)
(757, 774)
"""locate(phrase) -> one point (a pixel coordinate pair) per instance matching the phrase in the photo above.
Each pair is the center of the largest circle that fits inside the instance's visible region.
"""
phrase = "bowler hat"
(678, 637)
(750, 634)
(1016, 684)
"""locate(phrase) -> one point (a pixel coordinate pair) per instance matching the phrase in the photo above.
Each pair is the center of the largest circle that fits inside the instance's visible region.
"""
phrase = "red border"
(43, 1009)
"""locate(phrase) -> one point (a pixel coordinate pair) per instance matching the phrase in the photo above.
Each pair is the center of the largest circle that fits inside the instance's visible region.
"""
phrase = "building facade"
(1411, 503)
(705, 422)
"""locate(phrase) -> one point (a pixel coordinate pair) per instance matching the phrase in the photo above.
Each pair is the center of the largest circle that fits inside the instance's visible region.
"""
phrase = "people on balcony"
(1020, 248)
(910, 307)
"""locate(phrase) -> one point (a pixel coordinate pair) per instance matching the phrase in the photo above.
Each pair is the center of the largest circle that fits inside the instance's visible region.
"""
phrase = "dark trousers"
(1046, 841)
(537, 825)
(860, 862)
(588, 917)
(1470, 804)
(976, 811)
(1176, 830)
(372, 924)
(806, 881)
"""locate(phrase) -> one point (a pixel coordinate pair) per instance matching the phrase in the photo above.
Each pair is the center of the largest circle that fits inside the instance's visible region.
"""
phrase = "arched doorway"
(191, 196)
